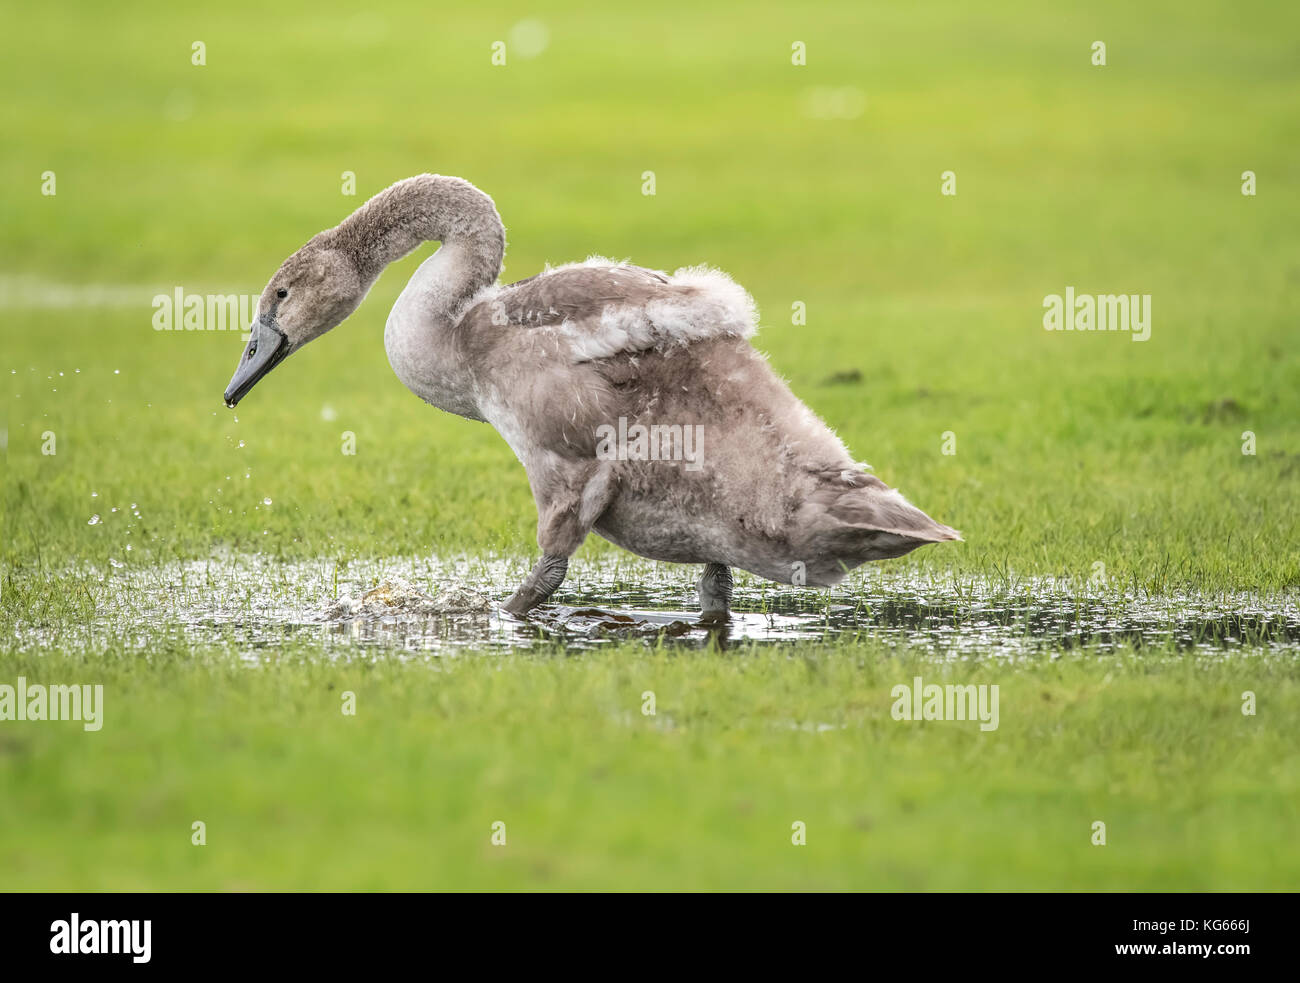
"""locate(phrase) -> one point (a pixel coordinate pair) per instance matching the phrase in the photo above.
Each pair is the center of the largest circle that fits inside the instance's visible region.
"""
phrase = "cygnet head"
(314, 290)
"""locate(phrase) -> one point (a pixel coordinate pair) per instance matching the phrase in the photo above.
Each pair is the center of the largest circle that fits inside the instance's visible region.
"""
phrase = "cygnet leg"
(715, 592)
(538, 585)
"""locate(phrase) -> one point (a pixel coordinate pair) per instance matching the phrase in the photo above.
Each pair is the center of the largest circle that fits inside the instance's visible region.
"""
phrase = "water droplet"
(241, 443)
(113, 509)
(117, 372)
(94, 494)
(266, 501)
(94, 520)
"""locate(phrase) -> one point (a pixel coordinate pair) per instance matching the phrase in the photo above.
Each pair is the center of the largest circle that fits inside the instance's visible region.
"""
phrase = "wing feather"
(603, 308)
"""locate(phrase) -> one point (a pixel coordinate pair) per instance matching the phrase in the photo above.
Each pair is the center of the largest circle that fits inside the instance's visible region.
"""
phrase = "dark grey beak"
(267, 348)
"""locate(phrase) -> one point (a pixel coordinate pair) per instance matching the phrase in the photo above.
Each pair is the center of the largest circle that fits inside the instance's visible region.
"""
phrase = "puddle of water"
(253, 604)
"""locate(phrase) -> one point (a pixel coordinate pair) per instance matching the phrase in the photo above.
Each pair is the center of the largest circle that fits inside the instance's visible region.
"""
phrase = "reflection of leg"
(715, 591)
(540, 584)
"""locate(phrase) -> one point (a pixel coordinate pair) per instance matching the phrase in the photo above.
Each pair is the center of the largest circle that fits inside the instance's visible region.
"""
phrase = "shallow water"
(253, 604)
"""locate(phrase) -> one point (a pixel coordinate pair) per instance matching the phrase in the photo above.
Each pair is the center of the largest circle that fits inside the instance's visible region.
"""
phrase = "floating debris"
(399, 597)
(563, 621)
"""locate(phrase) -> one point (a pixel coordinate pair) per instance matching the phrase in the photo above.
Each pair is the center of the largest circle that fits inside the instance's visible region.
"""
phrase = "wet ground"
(422, 605)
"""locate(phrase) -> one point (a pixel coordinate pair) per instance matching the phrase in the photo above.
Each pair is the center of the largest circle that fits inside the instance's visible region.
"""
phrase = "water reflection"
(254, 604)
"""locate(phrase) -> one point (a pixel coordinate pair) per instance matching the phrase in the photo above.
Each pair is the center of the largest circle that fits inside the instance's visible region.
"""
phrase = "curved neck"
(427, 208)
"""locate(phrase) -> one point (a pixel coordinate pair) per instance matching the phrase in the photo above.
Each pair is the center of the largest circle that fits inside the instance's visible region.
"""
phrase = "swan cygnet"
(634, 399)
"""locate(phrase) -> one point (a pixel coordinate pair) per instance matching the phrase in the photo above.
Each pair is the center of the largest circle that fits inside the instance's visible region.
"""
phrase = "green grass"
(1072, 450)
(596, 795)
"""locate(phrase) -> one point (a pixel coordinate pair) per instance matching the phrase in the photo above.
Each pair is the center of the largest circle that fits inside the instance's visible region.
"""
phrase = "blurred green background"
(1070, 448)
(817, 184)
